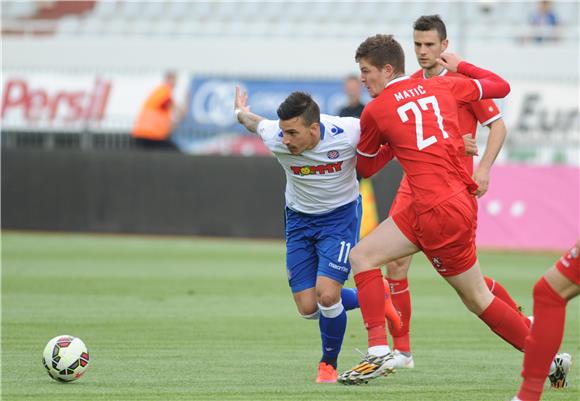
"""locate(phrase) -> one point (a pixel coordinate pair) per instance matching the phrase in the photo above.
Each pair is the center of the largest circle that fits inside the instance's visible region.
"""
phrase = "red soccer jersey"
(484, 111)
(418, 118)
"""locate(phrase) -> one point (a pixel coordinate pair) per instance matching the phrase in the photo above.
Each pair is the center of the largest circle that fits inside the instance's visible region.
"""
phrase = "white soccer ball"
(66, 358)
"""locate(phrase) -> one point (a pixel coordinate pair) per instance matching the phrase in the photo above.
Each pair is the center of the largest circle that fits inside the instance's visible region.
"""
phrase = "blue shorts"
(319, 244)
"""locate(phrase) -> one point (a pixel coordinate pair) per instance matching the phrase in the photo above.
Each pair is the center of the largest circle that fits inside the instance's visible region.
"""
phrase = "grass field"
(194, 319)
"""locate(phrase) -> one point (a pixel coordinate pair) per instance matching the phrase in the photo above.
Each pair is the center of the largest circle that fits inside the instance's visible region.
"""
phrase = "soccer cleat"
(369, 368)
(403, 361)
(326, 373)
(558, 377)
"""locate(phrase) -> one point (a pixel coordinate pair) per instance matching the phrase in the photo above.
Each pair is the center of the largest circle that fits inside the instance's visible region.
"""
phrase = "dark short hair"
(299, 104)
(380, 50)
(431, 23)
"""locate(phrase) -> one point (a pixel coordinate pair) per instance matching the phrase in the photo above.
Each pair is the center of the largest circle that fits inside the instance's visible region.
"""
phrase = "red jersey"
(485, 112)
(418, 119)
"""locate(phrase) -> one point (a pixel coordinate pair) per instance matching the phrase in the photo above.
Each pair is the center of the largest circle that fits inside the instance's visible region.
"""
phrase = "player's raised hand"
(241, 100)
(242, 111)
(449, 61)
(470, 145)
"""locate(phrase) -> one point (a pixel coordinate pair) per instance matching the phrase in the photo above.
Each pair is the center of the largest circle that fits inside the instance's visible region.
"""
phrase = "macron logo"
(336, 130)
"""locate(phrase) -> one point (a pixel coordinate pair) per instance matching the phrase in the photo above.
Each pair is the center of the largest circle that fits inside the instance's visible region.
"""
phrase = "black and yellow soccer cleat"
(369, 368)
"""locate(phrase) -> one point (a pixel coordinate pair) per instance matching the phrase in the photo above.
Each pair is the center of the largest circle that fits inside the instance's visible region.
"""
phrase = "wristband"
(237, 112)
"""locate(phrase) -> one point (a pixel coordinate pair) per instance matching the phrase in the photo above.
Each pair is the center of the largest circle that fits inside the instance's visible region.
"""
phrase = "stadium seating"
(490, 20)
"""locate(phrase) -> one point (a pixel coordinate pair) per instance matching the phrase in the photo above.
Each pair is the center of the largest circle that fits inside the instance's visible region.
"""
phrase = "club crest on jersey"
(320, 169)
(333, 154)
(437, 262)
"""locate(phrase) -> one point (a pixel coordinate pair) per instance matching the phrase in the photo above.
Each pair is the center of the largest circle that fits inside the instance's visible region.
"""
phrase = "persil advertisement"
(55, 102)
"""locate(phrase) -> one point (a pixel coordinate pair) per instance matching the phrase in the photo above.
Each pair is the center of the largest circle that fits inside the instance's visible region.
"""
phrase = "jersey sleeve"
(486, 111)
(353, 125)
(268, 129)
(370, 135)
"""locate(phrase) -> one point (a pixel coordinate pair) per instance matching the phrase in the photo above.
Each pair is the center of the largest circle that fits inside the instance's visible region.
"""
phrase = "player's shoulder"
(268, 129)
(455, 74)
(336, 125)
(337, 119)
(443, 81)
(419, 74)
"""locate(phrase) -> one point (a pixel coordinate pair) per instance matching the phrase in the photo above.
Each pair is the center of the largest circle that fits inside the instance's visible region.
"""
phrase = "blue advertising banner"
(209, 118)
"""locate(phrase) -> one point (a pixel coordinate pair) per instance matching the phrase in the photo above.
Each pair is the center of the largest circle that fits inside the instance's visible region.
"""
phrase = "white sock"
(379, 350)
(331, 311)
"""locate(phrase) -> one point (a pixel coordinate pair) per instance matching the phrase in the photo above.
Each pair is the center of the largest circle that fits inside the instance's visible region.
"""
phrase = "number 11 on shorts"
(344, 246)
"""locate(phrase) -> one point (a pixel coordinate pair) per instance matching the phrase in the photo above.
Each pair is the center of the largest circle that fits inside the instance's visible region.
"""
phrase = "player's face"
(428, 47)
(297, 136)
(373, 78)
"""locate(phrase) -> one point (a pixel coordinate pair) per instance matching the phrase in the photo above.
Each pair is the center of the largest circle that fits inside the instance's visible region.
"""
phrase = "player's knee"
(477, 301)
(358, 259)
(331, 311)
(327, 299)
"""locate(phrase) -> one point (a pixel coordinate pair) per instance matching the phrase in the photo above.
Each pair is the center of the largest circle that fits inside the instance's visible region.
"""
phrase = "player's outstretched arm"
(242, 111)
(493, 86)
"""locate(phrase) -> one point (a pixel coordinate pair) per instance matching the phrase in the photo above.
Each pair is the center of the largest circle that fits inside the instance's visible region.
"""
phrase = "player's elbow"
(364, 166)
(364, 172)
(506, 88)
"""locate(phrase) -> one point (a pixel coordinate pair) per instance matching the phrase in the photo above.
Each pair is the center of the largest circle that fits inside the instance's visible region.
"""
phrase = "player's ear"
(388, 70)
(314, 128)
(444, 44)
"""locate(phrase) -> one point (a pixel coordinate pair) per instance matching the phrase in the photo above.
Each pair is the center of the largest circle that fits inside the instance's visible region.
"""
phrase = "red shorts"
(403, 199)
(569, 267)
(445, 234)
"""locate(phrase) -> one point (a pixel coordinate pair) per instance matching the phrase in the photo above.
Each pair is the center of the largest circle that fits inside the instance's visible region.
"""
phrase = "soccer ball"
(65, 358)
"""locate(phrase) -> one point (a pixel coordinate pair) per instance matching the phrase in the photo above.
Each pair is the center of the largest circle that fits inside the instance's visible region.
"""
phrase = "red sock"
(544, 340)
(371, 298)
(499, 291)
(401, 298)
(506, 323)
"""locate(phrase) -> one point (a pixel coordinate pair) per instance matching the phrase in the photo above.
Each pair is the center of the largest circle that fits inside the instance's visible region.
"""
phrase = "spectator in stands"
(352, 90)
(158, 116)
(544, 23)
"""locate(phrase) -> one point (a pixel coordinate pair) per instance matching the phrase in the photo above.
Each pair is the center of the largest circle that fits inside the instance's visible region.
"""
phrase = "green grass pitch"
(198, 319)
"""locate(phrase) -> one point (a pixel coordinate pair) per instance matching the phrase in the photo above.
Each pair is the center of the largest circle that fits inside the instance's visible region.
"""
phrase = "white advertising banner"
(542, 112)
(543, 124)
(72, 102)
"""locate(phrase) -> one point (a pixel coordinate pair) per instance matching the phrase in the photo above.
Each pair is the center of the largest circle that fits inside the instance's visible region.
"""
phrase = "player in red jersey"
(418, 120)
(552, 292)
(430, 38)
